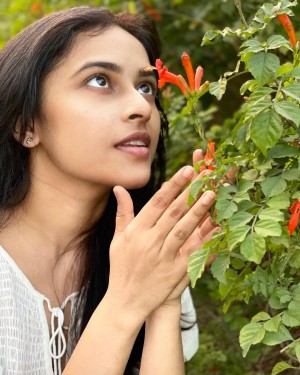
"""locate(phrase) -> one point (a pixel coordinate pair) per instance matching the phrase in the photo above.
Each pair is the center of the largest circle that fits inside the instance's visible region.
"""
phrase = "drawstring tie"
(57, 344)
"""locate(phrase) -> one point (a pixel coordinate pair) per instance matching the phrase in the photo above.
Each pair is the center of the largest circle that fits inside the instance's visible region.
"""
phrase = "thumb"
(125, 211)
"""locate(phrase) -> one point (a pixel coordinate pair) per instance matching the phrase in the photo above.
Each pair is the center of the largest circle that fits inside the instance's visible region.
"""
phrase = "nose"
(136, 108)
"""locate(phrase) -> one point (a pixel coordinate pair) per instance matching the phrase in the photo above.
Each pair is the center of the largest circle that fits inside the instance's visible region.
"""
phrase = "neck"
(54, 216)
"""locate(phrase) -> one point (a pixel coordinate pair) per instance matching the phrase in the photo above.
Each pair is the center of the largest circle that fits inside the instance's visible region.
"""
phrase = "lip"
(140, 151)
(137, 136)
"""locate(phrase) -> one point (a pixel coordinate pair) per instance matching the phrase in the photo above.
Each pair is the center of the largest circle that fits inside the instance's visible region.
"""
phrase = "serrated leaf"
(248, 85)
(237, 236)
(273, 186)
(291, 174)
(283, 151)
(218, 88)
(259, 94)
(196, 264)
(295, 73)
(281, 201)
(251, 334)
(280, 367)
(253, 248)
(289, 111)
(262, 66)
(292, 90)
(266, 129)
(219, 267)
(271, 213)
(250, 175)
(275, 338)
(261, 316)
(265, 228)
(225, 209)
(277, 41)
(239, 219)
(291, 318)
(272, 325)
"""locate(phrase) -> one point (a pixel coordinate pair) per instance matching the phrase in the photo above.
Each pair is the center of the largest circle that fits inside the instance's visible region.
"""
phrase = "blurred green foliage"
(182, 24)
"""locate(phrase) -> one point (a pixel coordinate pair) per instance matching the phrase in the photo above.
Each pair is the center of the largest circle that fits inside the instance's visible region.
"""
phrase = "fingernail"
(188, 171)
(208, 197)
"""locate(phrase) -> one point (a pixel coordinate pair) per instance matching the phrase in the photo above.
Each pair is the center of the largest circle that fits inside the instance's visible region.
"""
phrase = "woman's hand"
(146, 264)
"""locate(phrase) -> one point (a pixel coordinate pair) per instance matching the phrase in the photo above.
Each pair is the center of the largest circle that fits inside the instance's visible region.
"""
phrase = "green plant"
(258, 243)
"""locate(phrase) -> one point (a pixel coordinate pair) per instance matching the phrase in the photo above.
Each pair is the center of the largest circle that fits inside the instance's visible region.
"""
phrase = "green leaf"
(250, 175)
(281, 366)
(295, 73)
(237, 236)
(292, 90)
(271, 213)
(225, 209)
(261, 316)
(280, 201)
(251, 334)
(253, 248)
(277, 41)
(239, 219)
(273, 186)
(289, 111)
(262, 66)
(219, 267)
(272, 325)
(291, 174)
(266, 129)
(275, 338)
(218, 88)
(297, 351)
(283, 151)
(291, 318)
(196, 264)
(265, 228)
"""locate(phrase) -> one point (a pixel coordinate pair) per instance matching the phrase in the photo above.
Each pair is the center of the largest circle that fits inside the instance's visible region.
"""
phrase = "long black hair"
(25, 62)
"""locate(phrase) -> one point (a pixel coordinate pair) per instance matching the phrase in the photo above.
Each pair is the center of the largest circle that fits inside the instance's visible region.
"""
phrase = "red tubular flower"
(194, 80)
(166, 76)
(187, 64)
(295, 211)
(287, 24)
(209, 156)
(198, 77)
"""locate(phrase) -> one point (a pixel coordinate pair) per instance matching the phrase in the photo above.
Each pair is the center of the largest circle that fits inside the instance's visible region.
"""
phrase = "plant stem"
(237, 3)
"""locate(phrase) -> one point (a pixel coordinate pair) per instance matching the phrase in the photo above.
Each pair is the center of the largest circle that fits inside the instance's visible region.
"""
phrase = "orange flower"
(194, 81)
(295, 211)
(287, 24)
(165, 76)
(209, 156)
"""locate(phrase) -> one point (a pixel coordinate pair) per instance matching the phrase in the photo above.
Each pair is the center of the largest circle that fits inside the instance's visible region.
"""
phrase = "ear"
(31, 139)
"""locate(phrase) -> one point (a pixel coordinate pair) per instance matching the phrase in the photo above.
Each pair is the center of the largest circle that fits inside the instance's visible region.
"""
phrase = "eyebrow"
(115, 68)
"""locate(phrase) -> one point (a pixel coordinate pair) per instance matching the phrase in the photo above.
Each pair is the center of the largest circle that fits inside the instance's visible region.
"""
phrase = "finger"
(200, 235)
(186, 226)
(197, 156)
(206, 227)
(178, 208)
(125, 212)
(162, 199)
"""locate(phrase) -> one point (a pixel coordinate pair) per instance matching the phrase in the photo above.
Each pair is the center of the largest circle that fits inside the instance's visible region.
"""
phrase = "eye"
(147, 88)
(98, 81)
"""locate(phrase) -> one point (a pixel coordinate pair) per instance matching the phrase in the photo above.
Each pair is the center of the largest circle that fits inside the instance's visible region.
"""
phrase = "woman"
(80, 276)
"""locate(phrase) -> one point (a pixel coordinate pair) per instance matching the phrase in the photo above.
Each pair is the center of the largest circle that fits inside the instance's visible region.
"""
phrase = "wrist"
(125, 317)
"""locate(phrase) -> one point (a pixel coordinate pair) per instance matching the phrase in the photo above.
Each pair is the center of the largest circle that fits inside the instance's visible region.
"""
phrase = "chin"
(135, 182)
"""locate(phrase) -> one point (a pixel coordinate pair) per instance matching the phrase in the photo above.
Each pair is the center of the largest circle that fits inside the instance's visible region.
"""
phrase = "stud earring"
(29, 141)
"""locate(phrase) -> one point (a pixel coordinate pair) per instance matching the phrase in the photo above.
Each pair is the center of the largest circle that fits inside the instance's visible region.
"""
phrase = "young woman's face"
(98, 122)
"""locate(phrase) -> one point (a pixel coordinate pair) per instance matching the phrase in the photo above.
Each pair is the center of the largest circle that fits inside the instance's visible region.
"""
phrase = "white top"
(26, 346)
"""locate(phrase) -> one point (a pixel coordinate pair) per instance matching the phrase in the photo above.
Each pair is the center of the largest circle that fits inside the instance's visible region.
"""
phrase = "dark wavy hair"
(25, 62)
